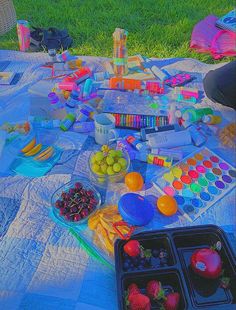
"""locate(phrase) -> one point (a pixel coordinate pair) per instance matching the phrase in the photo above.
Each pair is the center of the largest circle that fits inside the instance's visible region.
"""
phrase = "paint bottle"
(67, 122)
(175, 154)
(72, 101)
(83, 115)
(170, 139)
(139, 146)
(211, 119)
(171, 114)
(87, 88)
(195, 115)
(101, 76)
(65, 85)
(163, 161)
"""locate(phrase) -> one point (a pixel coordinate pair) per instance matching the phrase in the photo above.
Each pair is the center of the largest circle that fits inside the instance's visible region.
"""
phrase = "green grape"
(93, 159)
(110, 160)
(112, 153)
(117, 167)
(95, 168)
(122, 162)
(99, 156)
(110, 171)
(104, 168)
(119, 153)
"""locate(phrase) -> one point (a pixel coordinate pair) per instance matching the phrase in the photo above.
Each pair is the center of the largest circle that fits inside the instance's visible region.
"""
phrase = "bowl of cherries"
(74, 202)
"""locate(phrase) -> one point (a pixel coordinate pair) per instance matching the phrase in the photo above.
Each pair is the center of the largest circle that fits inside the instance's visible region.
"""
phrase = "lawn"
(160, 28)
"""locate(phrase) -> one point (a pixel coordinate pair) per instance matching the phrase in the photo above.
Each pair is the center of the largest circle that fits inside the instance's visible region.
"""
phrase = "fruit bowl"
(108, 175)
(74, 202)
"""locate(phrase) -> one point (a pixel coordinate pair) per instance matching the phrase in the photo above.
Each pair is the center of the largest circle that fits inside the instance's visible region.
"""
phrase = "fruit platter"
(177, 269)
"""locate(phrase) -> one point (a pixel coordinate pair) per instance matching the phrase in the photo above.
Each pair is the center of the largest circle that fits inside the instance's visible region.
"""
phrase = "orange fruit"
(134, 181)
(167, 205)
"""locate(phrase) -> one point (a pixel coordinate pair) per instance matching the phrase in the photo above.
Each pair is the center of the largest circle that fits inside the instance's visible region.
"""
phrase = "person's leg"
(220, 85)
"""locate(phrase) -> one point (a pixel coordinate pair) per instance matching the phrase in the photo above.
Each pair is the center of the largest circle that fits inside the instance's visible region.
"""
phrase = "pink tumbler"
(23, 32)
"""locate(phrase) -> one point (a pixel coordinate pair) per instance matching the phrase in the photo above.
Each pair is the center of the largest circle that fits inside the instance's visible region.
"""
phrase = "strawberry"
(133, 289)
(154, 290)
(171, 302)
(139, 302)
(132, 248)
(206, 263)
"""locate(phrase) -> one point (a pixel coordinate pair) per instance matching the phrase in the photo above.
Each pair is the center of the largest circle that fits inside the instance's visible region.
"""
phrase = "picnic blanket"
(42, 265)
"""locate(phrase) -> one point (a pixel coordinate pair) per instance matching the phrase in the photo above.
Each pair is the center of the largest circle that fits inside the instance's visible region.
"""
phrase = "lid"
(135, 209)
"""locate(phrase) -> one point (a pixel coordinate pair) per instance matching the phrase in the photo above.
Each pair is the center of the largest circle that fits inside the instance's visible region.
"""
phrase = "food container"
(102, 180)
(175, 272)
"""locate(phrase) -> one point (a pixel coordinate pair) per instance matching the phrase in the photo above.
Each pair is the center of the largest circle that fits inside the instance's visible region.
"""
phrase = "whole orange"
(134, 181)
(167, 205)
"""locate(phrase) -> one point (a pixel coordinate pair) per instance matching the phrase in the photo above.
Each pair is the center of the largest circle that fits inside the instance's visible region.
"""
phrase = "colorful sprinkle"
(197, 202)
(201, 169)
(195, 188)
(193, 174)
(198, 156)
(220, 184)
(177, 172)
(232, 173)
(214, 159)
(207, 163)
(177, 185)
(226, 178)
(202, 181)
(216, 171)
(169, 190)
(186, 179)
(205, 196)
(212, 190)
(191, 162)
(210, 176)
(179, 199)
(224, 166)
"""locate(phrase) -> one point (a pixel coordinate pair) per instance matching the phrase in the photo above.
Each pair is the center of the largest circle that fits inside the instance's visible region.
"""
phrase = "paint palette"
(197, 182)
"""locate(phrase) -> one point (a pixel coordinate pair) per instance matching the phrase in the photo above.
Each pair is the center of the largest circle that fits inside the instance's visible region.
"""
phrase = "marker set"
(197, 182)
(139, 121)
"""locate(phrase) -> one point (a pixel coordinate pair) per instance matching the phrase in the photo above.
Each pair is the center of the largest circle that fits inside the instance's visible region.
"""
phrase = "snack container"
(176, 274)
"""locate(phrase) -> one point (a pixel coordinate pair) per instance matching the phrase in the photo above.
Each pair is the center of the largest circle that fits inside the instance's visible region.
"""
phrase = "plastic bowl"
(104, 179)
(65, 189)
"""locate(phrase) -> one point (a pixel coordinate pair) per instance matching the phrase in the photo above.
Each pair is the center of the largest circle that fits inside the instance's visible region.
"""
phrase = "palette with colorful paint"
(197, 182)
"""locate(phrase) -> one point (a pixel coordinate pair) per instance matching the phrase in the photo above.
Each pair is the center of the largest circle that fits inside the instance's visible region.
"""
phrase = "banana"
(47, 153)
(29, 146)
(34, 150)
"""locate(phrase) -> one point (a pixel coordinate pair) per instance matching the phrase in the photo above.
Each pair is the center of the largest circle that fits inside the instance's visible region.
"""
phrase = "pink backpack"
(207, 38)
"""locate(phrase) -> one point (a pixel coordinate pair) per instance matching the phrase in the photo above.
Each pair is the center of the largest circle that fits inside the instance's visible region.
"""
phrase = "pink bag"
(207, 38)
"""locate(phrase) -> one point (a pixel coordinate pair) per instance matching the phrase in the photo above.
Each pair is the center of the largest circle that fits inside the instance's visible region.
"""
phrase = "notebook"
(228, 21)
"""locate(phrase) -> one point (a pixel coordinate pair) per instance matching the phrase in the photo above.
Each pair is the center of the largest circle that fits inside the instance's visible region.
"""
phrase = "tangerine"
(167, 205)
(134, 181)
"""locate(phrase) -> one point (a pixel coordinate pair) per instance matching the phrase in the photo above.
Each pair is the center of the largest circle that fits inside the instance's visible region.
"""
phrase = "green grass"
(157, 28)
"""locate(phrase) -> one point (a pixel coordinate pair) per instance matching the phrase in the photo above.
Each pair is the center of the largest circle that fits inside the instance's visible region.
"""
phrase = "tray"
(175, 272)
